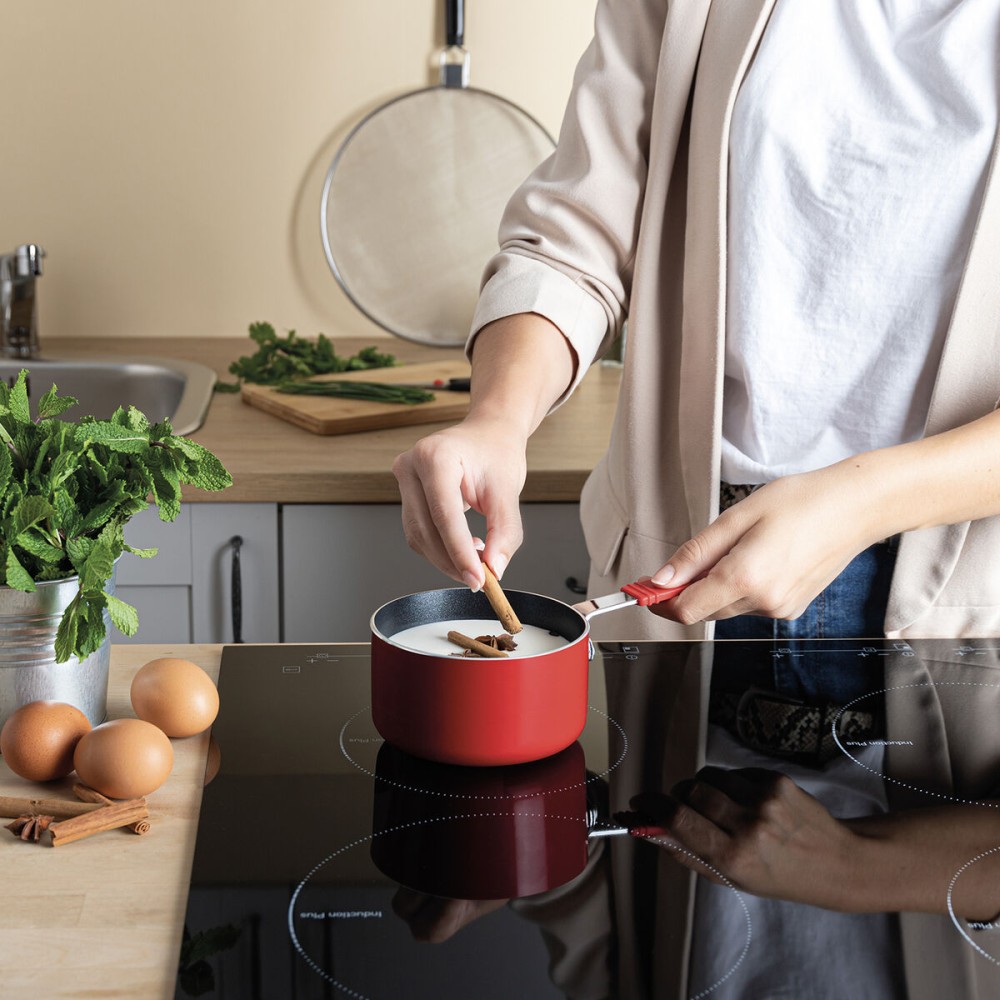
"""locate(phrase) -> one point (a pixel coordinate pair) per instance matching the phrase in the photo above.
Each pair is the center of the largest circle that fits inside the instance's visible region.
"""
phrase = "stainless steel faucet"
(18, 312)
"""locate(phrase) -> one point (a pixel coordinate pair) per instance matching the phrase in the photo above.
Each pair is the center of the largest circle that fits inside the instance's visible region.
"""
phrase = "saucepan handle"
(642, 592)
(646, 592)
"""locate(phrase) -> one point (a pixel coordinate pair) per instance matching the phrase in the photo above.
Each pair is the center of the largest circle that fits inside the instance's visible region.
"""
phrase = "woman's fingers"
(770, 554)
(445, 474)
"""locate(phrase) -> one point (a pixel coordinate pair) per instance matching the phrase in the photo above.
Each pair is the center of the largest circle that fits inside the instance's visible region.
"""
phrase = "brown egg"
(38, 739)
(175, 695)
(124, 759)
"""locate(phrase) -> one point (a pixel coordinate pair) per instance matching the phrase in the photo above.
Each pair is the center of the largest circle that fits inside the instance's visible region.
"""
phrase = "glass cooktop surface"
(844, 841)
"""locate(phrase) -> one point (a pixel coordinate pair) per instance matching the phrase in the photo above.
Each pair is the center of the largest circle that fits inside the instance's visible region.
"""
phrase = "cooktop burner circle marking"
(955, 919)
(989, 804)
(297, 944)
(459, 795)
(672, 845)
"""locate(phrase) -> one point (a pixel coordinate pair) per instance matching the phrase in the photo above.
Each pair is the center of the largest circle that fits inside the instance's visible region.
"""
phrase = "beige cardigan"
(629, 216)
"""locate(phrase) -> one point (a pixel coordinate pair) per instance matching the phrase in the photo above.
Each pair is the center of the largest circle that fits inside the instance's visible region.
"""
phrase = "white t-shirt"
(858, 151)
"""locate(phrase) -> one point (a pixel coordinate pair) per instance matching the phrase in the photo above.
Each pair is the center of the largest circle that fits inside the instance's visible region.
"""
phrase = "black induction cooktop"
(329, 863)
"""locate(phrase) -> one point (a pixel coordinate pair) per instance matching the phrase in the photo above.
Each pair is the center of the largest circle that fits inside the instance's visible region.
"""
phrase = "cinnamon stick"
(87, 794)
(109, 817)
(474, 644)
(12, 806)
(498, 601)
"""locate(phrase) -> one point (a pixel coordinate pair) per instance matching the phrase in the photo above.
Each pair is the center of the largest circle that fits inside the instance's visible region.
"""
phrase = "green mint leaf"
(100, 515)
(96, 569)
(52, 405)
(40, 547)
(168, 494)
(137, 420)
(97, 466)
(118, 438)
(18, 400)
(18, 577)
(161, 431)
(79, 548)
(141, 553)
(208, 472)
(6, 469)
(10, 499)
(66, 634)
(124, 617)
(30, 511)
(91, 630)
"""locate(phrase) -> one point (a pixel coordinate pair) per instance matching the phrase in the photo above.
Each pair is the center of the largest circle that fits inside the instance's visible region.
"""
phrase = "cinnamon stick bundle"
(499, 603)
(87, 794)
(474, 645)
(109, 817)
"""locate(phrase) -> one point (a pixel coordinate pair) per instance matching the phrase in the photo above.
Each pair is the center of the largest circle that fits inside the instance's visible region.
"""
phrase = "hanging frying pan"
(414, 196)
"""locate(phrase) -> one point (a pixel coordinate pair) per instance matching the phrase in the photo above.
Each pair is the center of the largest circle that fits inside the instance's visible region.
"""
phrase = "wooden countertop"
(102, 917)
(273, 461)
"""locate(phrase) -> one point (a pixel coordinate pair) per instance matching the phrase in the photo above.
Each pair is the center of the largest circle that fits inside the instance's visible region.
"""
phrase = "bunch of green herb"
(279, 359)
(67, 490)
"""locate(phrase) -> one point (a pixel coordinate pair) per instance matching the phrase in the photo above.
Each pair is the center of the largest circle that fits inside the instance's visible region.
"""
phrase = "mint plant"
(67, 490)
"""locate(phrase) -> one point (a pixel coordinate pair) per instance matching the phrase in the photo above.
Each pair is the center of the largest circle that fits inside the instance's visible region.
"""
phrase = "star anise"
(30, 827)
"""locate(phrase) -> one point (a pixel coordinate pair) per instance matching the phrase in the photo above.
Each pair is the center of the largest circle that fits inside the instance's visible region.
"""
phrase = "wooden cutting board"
(330, 415)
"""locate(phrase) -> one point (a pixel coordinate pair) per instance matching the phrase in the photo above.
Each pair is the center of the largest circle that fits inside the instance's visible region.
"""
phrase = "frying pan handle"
(646, 592)
(454, 19)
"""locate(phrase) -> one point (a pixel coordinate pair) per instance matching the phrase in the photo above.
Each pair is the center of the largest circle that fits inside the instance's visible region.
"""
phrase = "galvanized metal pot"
(28, 668)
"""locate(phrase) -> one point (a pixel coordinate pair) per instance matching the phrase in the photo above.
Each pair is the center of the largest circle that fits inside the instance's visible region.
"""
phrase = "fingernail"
(498, 565)
(664, 576)
(479, 544)
(472, 581)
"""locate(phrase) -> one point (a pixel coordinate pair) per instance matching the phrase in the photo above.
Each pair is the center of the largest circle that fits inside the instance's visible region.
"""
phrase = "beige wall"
(170, 156)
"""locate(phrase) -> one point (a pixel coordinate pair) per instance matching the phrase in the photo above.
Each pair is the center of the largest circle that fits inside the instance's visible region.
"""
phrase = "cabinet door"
(159, 587)
(184, 593)
(341, 562)
(214, 528)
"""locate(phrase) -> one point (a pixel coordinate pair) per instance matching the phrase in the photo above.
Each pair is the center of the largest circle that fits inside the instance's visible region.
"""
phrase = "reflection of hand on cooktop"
(757, 831)
(433, 919)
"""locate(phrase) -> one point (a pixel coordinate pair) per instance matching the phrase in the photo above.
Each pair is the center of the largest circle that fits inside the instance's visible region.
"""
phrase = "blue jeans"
(851, 607)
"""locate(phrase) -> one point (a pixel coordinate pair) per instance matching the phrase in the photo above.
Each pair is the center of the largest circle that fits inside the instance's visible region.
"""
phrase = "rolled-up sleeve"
(568, 235)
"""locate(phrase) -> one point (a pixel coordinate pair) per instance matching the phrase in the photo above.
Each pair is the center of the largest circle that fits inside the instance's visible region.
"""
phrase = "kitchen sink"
(162, 388)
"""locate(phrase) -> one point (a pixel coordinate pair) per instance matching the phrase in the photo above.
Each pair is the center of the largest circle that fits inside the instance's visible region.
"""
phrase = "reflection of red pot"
(480, 833)
(470, 710)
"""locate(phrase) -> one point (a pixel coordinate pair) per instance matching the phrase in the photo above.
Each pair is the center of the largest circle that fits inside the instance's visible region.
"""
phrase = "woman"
(795, 206)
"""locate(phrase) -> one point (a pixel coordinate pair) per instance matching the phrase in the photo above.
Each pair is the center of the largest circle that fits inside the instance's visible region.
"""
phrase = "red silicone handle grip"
(646, 592)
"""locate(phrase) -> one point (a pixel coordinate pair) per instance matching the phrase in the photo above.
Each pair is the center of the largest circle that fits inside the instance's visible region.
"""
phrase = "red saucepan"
(487, 712)
(480, 832)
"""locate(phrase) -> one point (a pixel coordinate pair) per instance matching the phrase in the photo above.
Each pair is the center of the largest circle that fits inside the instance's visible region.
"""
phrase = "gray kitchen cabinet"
(184, 593)
(340, 562)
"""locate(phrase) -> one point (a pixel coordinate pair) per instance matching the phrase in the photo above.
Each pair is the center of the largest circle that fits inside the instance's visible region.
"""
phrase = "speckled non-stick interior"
(458, 603)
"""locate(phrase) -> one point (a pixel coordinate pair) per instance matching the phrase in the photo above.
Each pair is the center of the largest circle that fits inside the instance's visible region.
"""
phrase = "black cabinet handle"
(574, 585)
(236, 587)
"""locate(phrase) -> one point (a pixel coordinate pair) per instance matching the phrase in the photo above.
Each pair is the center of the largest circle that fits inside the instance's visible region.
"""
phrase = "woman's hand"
(754, 829)
(773, 552)
(758, 831)
(521, 365)
(478, 464)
